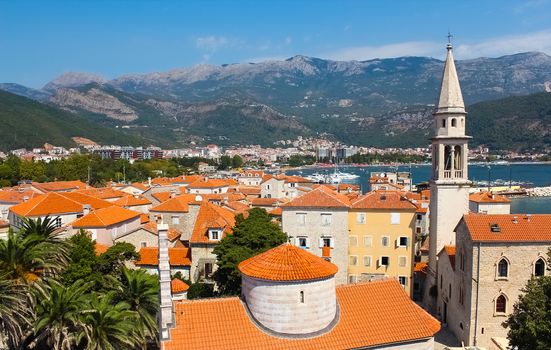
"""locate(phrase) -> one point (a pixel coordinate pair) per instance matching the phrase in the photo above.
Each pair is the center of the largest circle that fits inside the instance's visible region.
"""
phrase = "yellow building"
(381, 237)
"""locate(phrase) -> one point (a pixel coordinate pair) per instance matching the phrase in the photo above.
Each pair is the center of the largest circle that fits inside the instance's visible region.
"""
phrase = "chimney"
(528, 217)
(136, 194)
(173, 193)
(166, 318)
(25, 198)
(515, 219)
(149, 181)
(86, 209)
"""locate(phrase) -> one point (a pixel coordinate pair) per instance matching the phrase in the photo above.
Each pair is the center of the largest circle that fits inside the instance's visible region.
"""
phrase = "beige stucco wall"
(314, 230)
(490, 208)
(138, 236)
(378, 224)
(276, 189)
(201, 254)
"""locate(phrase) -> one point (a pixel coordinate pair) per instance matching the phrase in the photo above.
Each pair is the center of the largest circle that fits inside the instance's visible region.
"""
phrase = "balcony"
(458, 173)
(447, 174)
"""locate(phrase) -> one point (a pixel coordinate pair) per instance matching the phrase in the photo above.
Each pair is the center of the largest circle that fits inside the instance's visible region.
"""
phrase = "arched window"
(457, 158)
(463, 122)
(539, 268)
(454, 122)
(502, 268)
(447, 158)
(501, 304)
(302, 296)
(443, 123)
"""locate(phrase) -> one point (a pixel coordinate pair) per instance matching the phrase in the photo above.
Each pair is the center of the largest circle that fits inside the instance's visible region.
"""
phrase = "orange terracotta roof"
(425, 246)
(211, 216)
(381, 199)
(178, 286)
(162, 196)
(248, 190)
(371, 314)
(140, 186)
(320, 197)
(339, 187)
(287, 263)
(179, 204)
(209, 183)
(512, 227)
(296, 179)
(57, 186)
(162, 181)
(189, 179)
(450, 252)
(12, 196)
(237, 207)
(103, 193)
(252, 173)
(420, 266)
(131, 201)
(176, 256)
(172, 233)
(100, 248)
(144, 219)
(276, 212)
(425, 194)
(56, 203)
(264, 202)
(105, 217)
(486, 197)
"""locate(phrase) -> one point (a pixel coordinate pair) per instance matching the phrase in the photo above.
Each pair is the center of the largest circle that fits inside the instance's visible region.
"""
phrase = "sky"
(40, 40)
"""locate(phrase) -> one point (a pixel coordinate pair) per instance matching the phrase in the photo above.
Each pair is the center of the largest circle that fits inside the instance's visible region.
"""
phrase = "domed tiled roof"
(287, 263)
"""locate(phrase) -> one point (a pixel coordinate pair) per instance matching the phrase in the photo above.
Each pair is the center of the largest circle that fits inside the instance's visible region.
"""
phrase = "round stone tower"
(289, 291)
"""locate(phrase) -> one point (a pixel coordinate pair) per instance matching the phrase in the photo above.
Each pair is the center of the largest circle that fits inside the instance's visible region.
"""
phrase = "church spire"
(450, 99)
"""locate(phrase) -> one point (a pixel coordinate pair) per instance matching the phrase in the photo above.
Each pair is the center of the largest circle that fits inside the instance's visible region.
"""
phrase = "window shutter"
(332, 242)
(297, 241)
(321, 242)
(307, 242)
(397, 242)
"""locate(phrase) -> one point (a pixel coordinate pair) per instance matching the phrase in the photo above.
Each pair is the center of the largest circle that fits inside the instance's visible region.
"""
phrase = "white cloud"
(212, 42)
(492, 47)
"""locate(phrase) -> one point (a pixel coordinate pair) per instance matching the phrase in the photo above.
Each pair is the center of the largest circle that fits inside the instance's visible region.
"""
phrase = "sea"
(529, 174)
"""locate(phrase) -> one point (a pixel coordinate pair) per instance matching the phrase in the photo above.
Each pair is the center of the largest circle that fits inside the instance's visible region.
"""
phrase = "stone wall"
(278, 305)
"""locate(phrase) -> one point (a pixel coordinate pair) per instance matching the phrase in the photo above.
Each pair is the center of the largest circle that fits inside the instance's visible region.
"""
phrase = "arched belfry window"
(447, 158)
(463, 122)
(501, 304)
(444, 122)
(539, 267)
(503, 268)
(457, 158)
(454, 122)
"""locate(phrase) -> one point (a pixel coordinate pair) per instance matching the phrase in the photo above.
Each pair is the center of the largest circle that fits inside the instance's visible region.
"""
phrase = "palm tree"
(140, 290)
(108, 325)
(59, 313)
(14, 315)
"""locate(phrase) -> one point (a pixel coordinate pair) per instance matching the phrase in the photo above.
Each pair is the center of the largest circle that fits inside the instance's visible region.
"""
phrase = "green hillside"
(515, 123)
(27, 123)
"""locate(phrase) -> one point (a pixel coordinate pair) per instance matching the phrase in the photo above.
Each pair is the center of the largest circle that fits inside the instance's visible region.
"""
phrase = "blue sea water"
(534, 174)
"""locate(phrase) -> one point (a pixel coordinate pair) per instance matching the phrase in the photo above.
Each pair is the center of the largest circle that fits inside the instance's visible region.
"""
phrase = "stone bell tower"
(449, 184)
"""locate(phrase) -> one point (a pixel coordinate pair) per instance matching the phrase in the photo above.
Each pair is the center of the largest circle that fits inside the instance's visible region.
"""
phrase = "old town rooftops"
(508, 227)
(322, 196)
(486, 197)
(57, 203)
(371, 314)
(383, 200)
(105, 217)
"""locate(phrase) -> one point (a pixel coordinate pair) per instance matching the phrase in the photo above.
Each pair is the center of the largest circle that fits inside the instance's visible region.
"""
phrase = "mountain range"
(381, 102)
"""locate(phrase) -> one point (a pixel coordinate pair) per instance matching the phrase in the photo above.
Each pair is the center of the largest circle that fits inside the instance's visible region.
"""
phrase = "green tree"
(200, 290)
(236, 161)
(108, 325)
(225, 162)
(250, 237)
(140, 290)
(30, 170)
(530, 322)
(112, 261)
(14, 312)
(59, 313)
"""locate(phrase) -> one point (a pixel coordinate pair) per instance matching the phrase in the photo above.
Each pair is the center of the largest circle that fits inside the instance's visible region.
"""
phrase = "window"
(461, 295)
(353, 241)
(461, 260)
(303, 242)
(443, 123)
(367, 261)
(143, 244)
(402, 241)
(418, 230)
(368, 241)
(215, 235)
(352, 279)
(501, 304)
(441, 280)
(360, 218)
(403, 280)
(502, 268)
(57, 222)
(450, 290)
(301, 219)
(292, 184)
(395, 218)
(402, 261)
(208, 270)
(268, 187)
(175, 220)
(454, 122)
(384, 241)
(327, 242)
(302, 296)
(539, 268)
(353, 260)
(419, 217)
(384, 261)
(325, 219)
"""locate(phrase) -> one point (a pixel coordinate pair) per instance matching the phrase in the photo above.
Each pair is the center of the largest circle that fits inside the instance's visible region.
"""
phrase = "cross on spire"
(450, 36)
